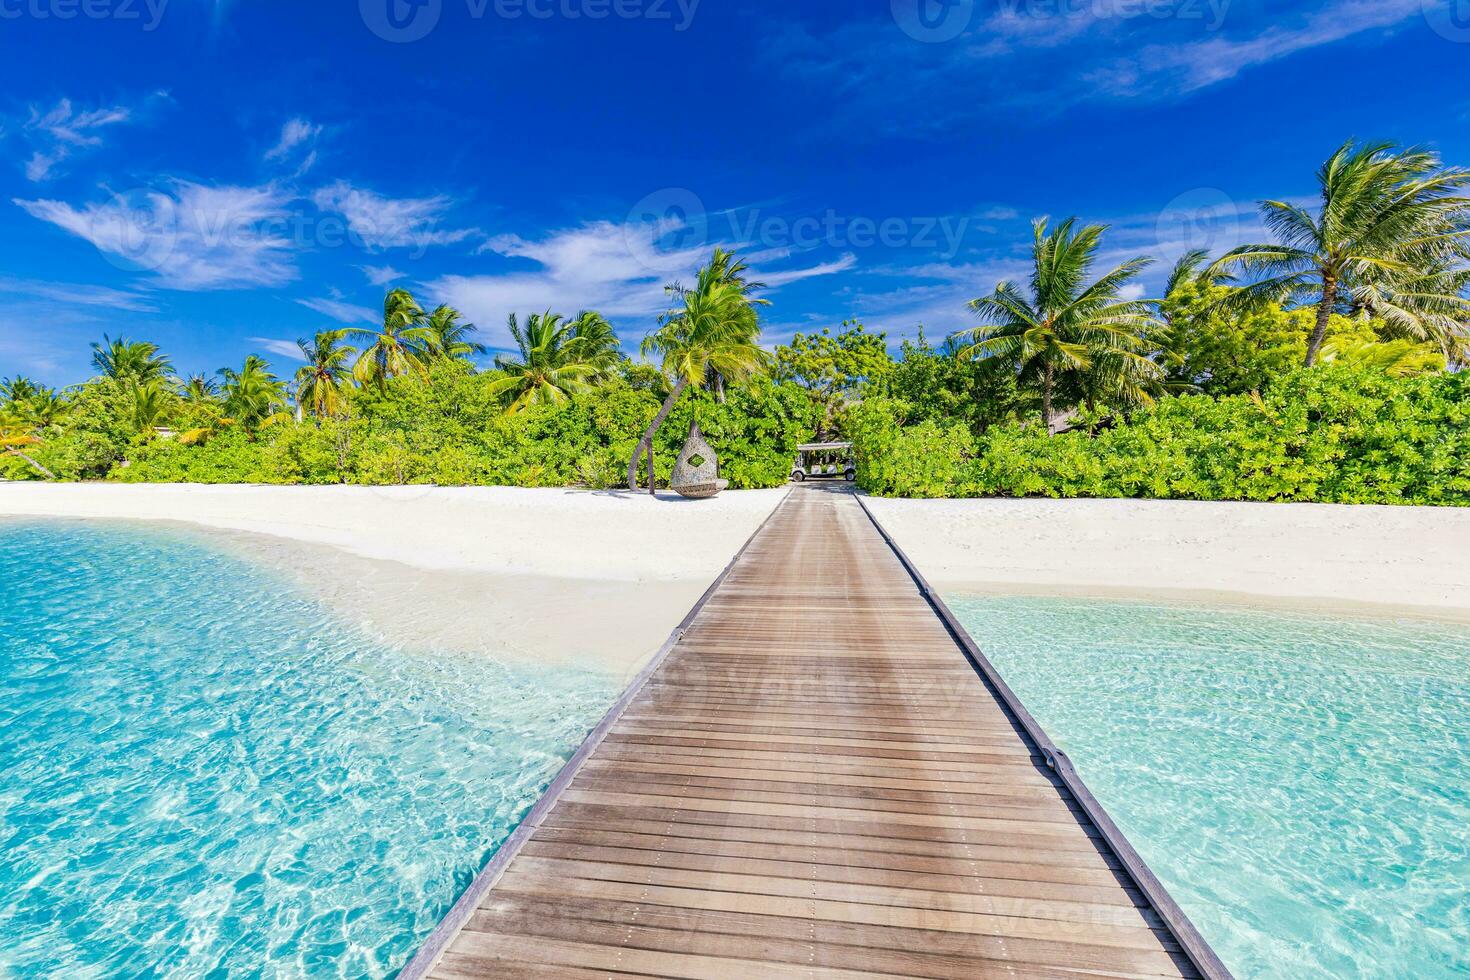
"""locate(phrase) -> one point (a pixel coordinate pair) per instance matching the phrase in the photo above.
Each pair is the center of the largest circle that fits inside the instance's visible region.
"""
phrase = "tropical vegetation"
(1326, 364)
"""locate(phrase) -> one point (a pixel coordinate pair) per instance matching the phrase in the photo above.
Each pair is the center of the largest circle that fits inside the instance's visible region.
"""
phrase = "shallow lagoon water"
(1300, 783)
(202, 772)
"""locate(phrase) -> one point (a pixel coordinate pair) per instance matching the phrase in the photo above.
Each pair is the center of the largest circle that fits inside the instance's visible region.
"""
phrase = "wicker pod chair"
(697, 472)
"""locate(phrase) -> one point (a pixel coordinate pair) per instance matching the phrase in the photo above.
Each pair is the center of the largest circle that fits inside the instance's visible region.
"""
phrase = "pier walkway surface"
(820, 777)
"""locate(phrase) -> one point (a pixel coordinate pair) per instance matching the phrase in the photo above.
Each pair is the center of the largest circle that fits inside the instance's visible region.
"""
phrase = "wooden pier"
(819, 777)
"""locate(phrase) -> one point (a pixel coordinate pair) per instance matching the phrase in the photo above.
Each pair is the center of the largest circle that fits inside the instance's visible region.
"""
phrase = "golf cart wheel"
(798, 477)
(851, 476)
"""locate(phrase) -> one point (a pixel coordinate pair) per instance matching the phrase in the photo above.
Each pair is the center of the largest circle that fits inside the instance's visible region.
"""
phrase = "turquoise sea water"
(202, 773)
(1301, 784)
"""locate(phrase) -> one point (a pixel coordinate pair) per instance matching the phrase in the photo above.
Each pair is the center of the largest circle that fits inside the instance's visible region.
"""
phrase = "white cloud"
(63, 131)
(340, 311)
(380, 275)
(296, 132)
(617, 269)
(620, 270)
(379, 222)
(777, 279)
(1176, 69)
(1049, 57)
(281, 348)
(189, 236)
(77, 294)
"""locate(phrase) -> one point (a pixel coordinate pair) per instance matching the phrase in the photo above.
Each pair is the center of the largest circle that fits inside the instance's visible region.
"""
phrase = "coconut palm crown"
(449, 338)
(1388, 220)
(549, 367)
(399, 347)
(322, 382)
(713, 331)
(124, 359)
(1069, 334)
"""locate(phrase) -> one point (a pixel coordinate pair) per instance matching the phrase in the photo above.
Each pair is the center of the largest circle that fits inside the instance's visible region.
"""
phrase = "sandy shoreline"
(541, 575)
(1411, 561)
(601, 578)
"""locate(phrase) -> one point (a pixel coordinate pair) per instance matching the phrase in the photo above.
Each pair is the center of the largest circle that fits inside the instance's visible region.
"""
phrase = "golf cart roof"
(817, 447)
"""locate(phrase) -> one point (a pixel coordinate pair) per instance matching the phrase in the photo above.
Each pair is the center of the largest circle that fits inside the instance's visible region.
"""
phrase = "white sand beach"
(567, 575)
(1395, 560)
(550, 575)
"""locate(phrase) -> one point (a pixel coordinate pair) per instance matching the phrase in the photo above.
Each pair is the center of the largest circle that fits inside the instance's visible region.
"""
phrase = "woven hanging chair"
(697, 472)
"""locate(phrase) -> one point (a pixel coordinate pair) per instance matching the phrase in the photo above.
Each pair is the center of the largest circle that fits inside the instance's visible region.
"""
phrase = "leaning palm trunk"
(34, 465)
(645, 445)
(1324, 315)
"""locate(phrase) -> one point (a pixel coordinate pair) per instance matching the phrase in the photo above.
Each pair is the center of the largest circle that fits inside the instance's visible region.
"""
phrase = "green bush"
(923, 460)
(1331, 434)
(451, 432)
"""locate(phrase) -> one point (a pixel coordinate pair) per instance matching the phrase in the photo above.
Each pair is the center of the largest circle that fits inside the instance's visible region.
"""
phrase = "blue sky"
(223, 177)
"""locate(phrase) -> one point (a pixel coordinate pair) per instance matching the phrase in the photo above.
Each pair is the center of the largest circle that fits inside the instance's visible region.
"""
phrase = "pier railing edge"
(1194, 945)
(438, 941)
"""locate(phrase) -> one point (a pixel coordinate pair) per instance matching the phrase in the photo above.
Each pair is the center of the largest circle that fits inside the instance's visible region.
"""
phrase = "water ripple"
(201, 773)
(1298, 782)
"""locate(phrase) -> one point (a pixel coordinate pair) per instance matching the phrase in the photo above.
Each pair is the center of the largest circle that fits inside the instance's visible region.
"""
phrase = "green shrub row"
(1331, 435)
(452, 432)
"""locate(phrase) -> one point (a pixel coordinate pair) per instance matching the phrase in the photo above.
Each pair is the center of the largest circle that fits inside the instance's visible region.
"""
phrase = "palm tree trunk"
(719, 388)
(645, 445)
(1324, 312)
(1048, 379)
(34, 465)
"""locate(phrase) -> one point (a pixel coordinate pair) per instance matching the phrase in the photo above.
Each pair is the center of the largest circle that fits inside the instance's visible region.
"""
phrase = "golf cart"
(824, 460)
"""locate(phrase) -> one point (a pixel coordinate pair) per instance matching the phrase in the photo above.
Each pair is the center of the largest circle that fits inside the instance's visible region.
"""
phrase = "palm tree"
(727, 268)
(1388, 217)
(550, 368)
(198, 390)
(18, 389)
(151, 402)
(709, 332)
(44, 409)
(448, 338)
(397, 349)
(322, 382)
(122, 359)
(1068, 333)
(595, 342)
(1431, 307)
(253, 395)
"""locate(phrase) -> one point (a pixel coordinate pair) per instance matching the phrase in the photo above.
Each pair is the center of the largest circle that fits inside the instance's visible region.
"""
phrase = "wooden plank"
(860, 913)
(632, 930)
(812, 783)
